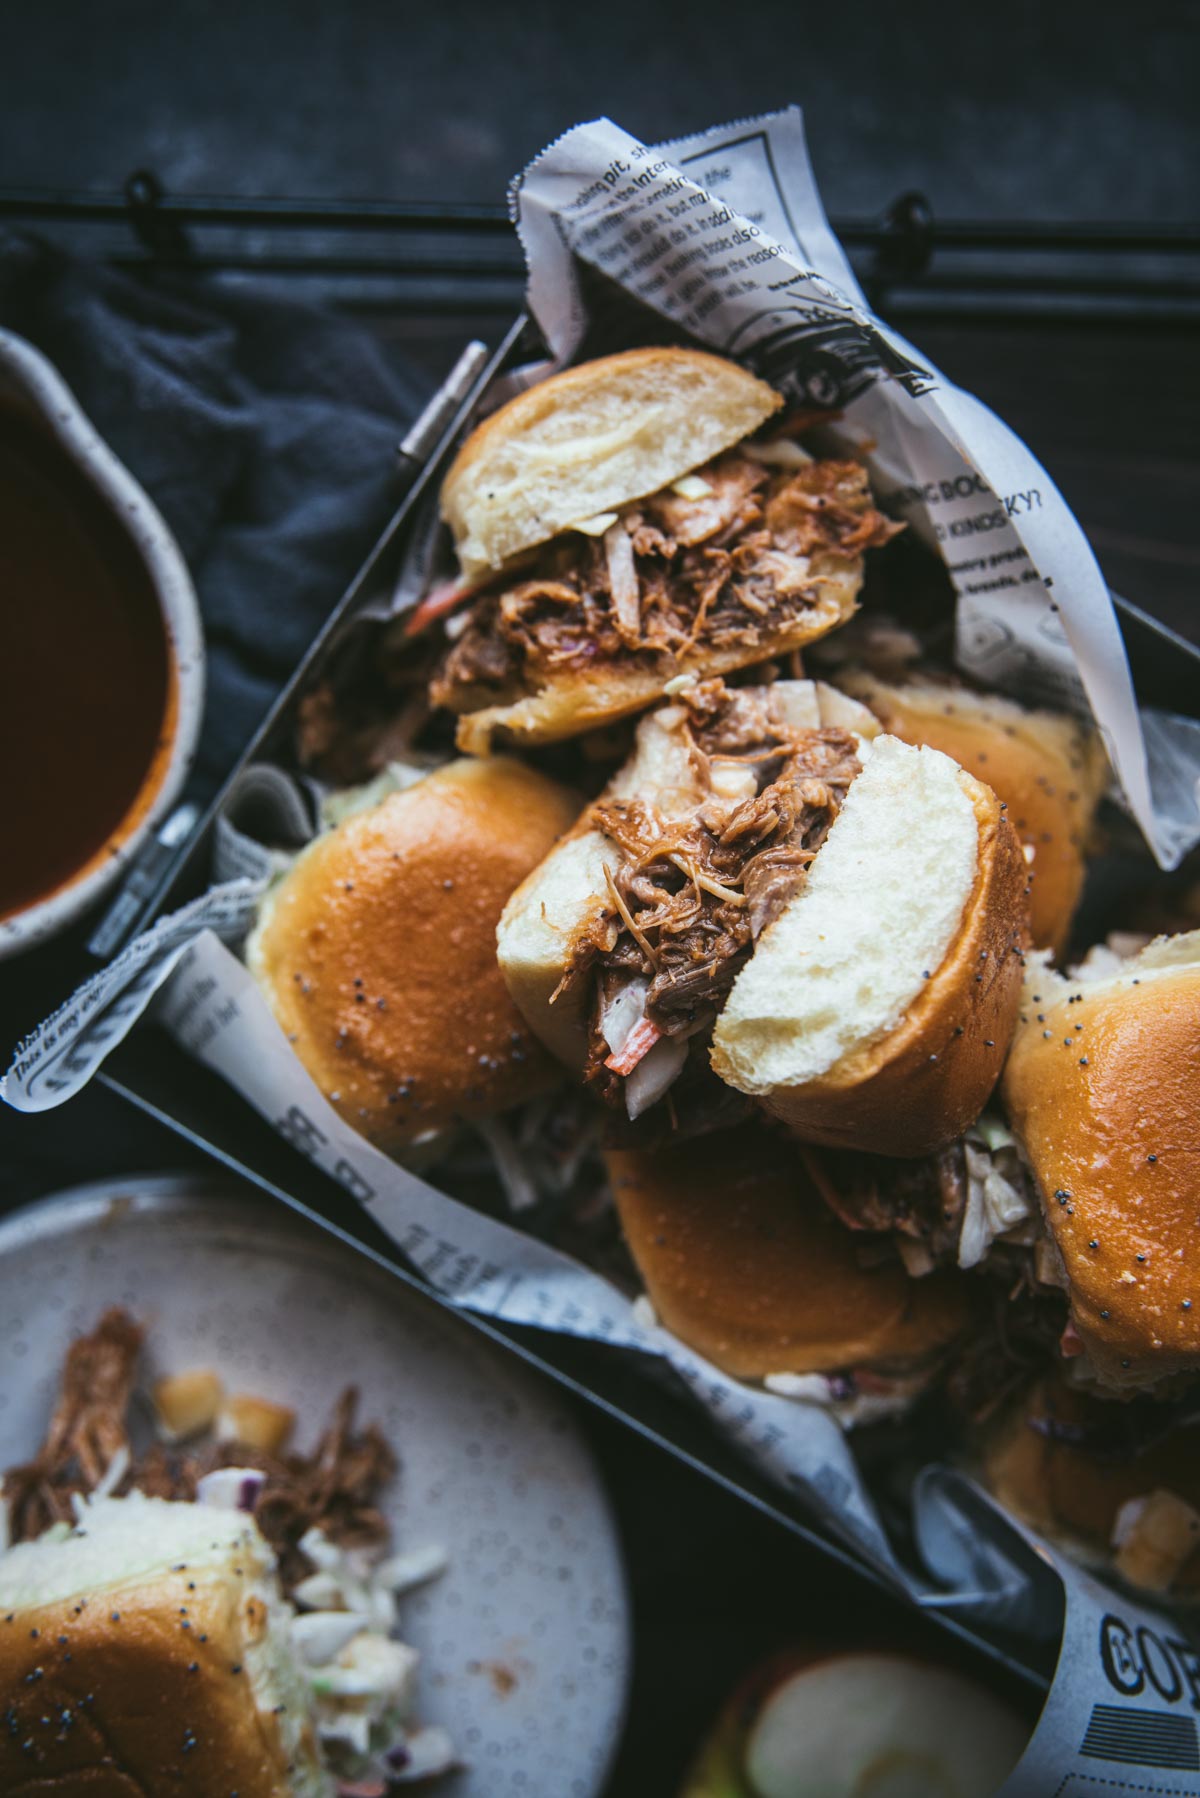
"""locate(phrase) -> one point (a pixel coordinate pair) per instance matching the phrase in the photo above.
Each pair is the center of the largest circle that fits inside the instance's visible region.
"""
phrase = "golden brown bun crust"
(1104, 1092)
(405, 899)
(743, 1261)
(1060, 1489)
(590, 439)
(580, 700)
(1045, 767)
(104, 1698)
(930, 1077)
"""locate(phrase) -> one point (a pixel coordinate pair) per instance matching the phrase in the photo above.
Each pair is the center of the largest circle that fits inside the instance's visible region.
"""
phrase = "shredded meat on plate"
(334, 1488)
(731, 566)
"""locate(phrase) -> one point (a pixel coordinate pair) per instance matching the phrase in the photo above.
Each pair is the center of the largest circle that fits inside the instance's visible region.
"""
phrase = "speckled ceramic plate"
(524, 1640)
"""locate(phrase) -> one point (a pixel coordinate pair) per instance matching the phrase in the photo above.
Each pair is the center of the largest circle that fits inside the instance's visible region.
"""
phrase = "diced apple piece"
(187, 1403)
(255, 1423)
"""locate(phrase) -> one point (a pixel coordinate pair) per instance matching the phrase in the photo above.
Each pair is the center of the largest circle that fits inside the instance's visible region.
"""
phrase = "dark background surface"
(1075, 114)
(1078, 110)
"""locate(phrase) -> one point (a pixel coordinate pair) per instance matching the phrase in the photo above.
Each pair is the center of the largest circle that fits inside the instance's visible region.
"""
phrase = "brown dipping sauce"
(87, 690)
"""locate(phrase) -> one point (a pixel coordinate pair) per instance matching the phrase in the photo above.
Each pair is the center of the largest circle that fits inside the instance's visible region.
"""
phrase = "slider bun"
(403, 898)
(743, 1262)
(1072, 1496)
(568, 891)
(103, 1687)
(876, 1009)
(1102, 1087)
(591, 439)
(1049, 771)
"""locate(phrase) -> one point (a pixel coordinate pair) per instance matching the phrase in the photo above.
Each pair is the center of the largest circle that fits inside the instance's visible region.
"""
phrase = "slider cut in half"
(878, 1004)
(621, 948)
(1115, 1484)
(743, 1262)
(619, 525)
(149, 1651)
(1047, 769)
(1102, 1087)
(376, 950)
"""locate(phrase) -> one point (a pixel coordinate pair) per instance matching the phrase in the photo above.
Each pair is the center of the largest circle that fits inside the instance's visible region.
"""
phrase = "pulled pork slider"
(148, 1650)
(616, 529)
(1102, 1088)
(376, 950)
(177, 1620)
(1049, 771)
(621, 947)
(1115, 1484)
(850, 912)
(743, 1262)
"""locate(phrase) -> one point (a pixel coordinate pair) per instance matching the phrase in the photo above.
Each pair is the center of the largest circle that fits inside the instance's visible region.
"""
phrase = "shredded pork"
(920, 1201)
(691, 896)
(729, 567)
(335, 1488)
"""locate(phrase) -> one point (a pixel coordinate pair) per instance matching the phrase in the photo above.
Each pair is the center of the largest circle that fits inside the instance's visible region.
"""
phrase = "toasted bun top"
(1102, 1086)
(173, 1678)
(591, 439)
(876, 1008)
(743, 1262)
(1048, 770)
(377, 951)
(1062, 1488)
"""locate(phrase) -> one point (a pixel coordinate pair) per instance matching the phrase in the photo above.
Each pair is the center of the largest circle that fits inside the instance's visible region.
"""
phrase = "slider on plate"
(743, 1261)
(1048, 770)
(376, 949)
(844, 912)
(623, 523)
(205, 1620)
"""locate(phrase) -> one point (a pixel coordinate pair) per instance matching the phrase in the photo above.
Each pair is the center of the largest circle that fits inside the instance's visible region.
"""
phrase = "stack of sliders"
(803, 905)
(209, 1619)
(1102, 1088)
(620, 527)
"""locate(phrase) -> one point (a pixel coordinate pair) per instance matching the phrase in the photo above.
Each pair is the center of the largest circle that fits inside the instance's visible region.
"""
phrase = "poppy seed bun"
(743, 1261)
(1049, 771)
(555, 903)
(590, 439)
(876, 1009)
(377, 951)
(1073, 1496)
(150, 1653)
(1102, 1087)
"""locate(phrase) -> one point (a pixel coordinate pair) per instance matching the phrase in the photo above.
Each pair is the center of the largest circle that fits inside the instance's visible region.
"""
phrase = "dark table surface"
(297, 99)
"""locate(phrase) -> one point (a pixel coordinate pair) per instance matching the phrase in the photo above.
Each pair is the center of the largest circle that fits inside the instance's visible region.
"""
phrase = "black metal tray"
(150, 1071)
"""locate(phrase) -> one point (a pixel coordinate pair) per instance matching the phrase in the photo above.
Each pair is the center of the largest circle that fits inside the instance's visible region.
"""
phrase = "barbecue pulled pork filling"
(730, 565)
(335, 1488)
(691, 896)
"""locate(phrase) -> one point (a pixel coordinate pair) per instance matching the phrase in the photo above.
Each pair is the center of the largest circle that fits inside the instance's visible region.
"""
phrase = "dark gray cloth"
(264, 430)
